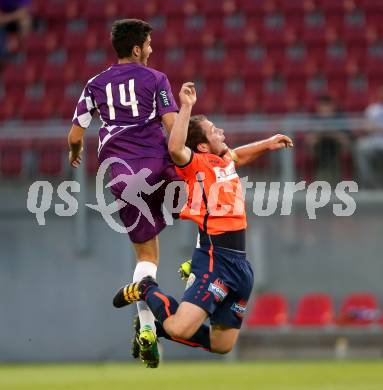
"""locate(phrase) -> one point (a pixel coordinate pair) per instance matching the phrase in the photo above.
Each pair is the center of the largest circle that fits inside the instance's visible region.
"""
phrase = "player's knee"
(178, 330)
(222, 349)
(182, 332)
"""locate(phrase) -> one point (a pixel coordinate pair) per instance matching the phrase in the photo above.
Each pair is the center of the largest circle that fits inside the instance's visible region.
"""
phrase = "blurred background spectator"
(14, 17)
(369, 148)
(326, 146)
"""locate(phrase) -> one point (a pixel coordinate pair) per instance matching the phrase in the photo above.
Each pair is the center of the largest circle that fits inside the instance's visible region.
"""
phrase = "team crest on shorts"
(239, 308)
(218, 289)
(190, 281)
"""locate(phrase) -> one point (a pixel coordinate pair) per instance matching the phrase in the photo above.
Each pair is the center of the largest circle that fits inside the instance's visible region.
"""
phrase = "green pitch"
(196, 376)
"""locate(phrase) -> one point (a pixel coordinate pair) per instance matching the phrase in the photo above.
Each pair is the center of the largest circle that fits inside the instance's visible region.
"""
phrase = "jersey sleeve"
(164, 97)
(190, 169)
(84, 109)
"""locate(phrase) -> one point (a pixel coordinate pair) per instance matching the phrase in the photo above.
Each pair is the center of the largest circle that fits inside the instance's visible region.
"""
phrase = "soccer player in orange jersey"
(221, 278)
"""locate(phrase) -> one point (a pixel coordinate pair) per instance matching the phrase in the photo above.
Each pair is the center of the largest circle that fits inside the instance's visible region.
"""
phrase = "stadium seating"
(314, 310)
(11, 156)
(284, 52)
(269, 310)
(51, 154)
(74, 31)
(359, 309)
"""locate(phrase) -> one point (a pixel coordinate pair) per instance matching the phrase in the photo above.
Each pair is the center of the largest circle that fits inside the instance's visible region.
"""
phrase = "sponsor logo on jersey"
(164, 98)
(218, 289)
(239, 308)
(225, 173)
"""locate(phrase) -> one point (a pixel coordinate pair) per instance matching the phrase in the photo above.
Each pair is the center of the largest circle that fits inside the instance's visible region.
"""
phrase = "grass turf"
(192, 375)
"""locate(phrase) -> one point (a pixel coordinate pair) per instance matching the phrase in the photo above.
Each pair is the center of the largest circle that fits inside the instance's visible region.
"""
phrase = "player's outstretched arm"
(168, 120)
(179, 152)
(75, 142)
(247, 153)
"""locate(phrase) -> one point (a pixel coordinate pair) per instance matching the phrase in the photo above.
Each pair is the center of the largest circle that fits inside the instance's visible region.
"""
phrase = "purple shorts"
(142, 216)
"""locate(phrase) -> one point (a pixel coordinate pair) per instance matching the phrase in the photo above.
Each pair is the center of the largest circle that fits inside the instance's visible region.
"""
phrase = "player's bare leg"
(223, 339)
(188, 319)
(145, 340)
(185, 322)
(148, 250)
(164, 307)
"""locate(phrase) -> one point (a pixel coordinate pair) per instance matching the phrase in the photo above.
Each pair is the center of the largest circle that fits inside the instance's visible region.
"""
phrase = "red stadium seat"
(357, 52)
(66, 108)
(179, 9)
(38, 8)
(11, 156)
(58, 13)
(54, 75)
(274, 103)
(331, 7)
(213, 8)
(51, 154)
(251, 7)
(8, 108)
(269, 309)
(212, 69)
(359, 309)
(16, 79)
(375, 6)
(314, 310)
(139, 9)
(295, 73)
(374, 70)
(193, 39)
(97, 13)
(208, 103)
(254, 71)
(239, 37)
(179, 70)
(239, 103)
(314, 35)
(356, 100)
(293, 7)
(32, 109)
(38, 46)
(77, 44)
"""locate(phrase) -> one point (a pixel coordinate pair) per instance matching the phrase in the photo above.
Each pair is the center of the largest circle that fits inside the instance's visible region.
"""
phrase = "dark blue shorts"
(220, 282)
(161, 169)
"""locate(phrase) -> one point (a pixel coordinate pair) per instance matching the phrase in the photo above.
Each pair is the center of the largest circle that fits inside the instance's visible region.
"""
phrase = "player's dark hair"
(127, 33)
(196, 135)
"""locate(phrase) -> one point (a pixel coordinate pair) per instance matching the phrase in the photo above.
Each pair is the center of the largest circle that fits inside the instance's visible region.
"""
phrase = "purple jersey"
(130, 99)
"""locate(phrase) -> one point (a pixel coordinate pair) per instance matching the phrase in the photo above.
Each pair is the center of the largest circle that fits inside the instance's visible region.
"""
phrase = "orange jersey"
(215, 199)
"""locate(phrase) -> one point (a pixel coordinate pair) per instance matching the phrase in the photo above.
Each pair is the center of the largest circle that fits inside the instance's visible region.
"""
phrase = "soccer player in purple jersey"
(134, 103)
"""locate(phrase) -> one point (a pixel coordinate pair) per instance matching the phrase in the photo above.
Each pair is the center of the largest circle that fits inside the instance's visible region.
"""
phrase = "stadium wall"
(55, 302)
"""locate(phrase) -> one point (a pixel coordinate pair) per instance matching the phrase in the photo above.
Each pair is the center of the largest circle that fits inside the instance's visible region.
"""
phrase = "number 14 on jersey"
(133, 103)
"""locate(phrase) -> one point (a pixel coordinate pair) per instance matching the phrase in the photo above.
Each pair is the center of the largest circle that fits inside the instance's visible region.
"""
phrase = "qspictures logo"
(133, 185)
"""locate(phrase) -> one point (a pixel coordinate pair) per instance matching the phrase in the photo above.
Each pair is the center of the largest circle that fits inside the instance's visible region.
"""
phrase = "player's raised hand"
(280, 141)
(188, 94)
